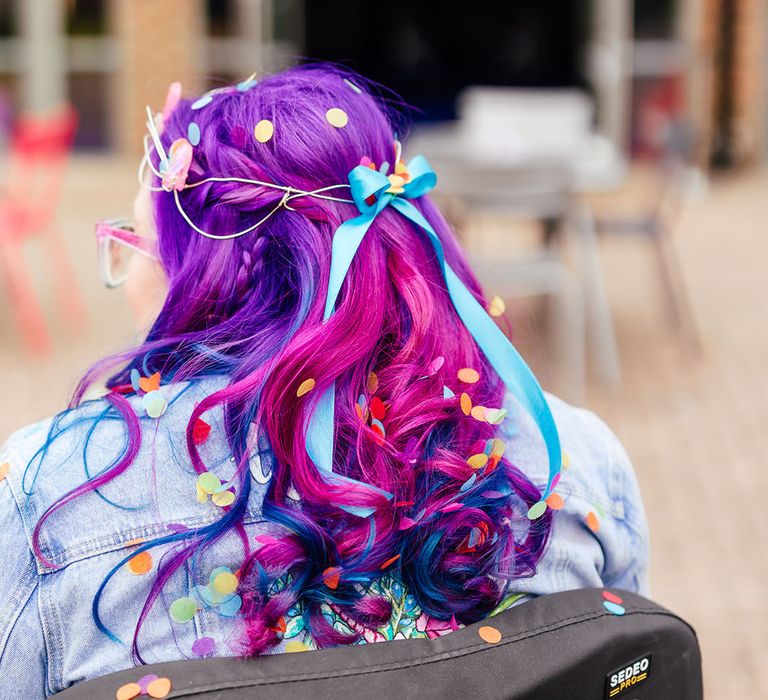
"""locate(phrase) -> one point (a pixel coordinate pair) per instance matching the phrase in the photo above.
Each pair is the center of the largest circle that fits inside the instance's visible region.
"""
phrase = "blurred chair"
(38, 153)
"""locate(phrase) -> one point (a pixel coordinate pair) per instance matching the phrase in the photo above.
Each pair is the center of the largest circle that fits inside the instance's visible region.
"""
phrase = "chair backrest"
(39, 148)
(575, 644)
(511, 124)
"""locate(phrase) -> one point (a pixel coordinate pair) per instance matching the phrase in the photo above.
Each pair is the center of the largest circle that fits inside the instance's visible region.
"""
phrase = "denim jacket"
(48, 639)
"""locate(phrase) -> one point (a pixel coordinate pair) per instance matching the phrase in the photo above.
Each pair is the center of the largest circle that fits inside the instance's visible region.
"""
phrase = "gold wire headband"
(289, 192)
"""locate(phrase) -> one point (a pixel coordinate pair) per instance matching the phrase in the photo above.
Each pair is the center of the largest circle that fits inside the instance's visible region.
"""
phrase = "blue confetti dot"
(201, 102)
(614, 608)
(246, 85)
(193, 133)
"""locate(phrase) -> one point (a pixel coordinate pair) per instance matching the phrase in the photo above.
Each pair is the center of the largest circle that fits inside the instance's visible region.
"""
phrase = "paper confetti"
(468, 375)
(390, 561)
(447, 392)
(205, 646)
(555, 501)
(148, 384)
(377, 407)
(537, 510)
(353, 86)
(435, 365)
(159, 688)
(208, 482)
(200, 431)
(495, 415)
(478, 413)
(489, 634)
(225, 582)
(372, 383)
(155, 404)
(295, 646)
(331, 577)
(193, 133)
(183, 609)
(466, 403)
(337, 117)
(478, 460)
(305, 387)
(129, 691)
(613, 608)
(263, 131)
(4, 469)
(202, 102)
(496, 306)
(592, 522)
(140, 564)
(223, 499)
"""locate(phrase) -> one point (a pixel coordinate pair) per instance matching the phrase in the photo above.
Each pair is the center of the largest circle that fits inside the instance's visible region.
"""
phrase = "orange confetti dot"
(592, 522)
(466, 403)
(147, 384)
(555, 501)
(478, 413)
(468, 375)
(159, 688)
(489, 634)
(305, 387)
(4, 469)
(331, 577)
(140, 564)
(390, 561)
(372, 383)
(128, 691)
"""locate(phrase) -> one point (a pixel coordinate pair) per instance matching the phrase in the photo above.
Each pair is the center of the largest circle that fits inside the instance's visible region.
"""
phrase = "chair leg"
(674, 287)
(28, 313)
(70, 300)
(598, 310)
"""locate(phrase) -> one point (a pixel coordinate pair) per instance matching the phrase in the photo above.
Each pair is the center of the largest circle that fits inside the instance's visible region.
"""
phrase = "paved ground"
(695, 426)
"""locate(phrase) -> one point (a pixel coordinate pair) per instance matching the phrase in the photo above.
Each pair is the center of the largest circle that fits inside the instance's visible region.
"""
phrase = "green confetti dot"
(183, 610)
(536, 510)
(208, 482)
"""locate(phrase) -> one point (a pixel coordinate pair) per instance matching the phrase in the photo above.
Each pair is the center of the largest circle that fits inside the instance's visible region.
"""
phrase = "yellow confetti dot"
(477, 461)
(337, 117)
(223, 498)
(497, 447)
(263, 131)
(468, 375)
(555, 501)
(478, 413)
(140, 564)
(4, 469)
(305, 387)
(225, 583)
(592, 522)
(373, 383)
(128, 691)
(496, 306)
(489, 634)
(566, 462)
(295, 646)
(466, 403)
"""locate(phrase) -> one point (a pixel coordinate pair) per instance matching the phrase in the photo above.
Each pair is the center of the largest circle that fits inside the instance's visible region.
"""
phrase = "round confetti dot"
(613, 608)
(159, 688)
(612, 597)
(129, 691)
(144, 681)
(496, 306)
(295, 646)
(337, 117)
(477, 461)
(183, 609)
(225, 583)
(140, 564)
(468, 375)
(555, 501)
(223, 498)
(231, 606)
(208, 482)
(4, 469)
(378, 409)
(566, 461)
(155, 404)
(435, 365)
(498, 447)
(305, 387)
(372, 383)
(489, 634)
(263, 131)
(466, 403)
(478, 413)
(193, 133)
(536, 510)
(592, 522)
(202, 102)
(204, 646)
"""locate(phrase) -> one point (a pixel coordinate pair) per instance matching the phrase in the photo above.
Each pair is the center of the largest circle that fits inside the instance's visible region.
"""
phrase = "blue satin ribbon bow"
(372, 192)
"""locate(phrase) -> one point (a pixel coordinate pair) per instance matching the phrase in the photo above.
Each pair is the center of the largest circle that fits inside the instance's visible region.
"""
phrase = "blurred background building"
(603, 161)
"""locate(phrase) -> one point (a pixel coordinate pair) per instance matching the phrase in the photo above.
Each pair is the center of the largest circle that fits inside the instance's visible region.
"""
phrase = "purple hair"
(252, 307)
